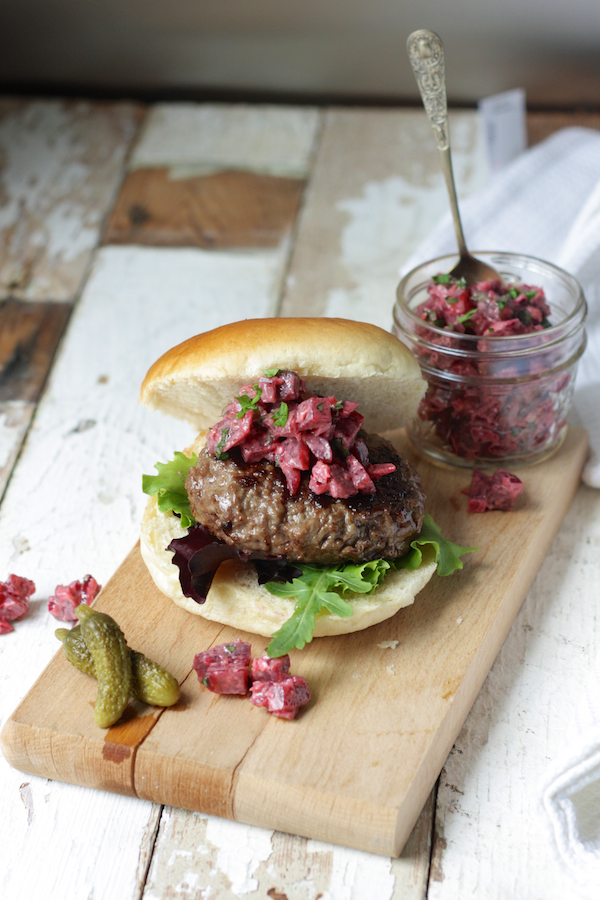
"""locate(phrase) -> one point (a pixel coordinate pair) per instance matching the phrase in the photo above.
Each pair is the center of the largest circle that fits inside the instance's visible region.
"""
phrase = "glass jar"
(494, 399)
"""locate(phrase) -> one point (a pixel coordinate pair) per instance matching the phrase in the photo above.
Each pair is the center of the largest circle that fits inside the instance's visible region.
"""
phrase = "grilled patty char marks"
(250, 507)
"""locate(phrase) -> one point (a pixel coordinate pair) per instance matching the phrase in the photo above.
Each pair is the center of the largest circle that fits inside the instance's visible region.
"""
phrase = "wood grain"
(375, 193)
(332, 774)
(541, 125)
(60, 165)
(225, 209)
(29, 335)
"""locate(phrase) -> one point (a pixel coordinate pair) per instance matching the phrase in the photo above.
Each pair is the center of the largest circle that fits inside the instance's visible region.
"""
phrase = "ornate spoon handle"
(426, 54)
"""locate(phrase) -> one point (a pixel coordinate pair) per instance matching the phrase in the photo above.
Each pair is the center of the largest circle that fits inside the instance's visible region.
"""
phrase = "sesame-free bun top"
(352, 360)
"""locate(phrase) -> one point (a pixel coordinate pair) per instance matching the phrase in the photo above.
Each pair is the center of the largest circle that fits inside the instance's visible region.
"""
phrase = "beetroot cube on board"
(281, 698)
(225, 669)
(497, 491)
(265, 668)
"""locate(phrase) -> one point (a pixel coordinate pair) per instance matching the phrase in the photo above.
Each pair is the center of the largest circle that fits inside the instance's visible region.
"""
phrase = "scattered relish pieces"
(15, 593)
(228, 669)
(281, 698)
(278, 420)
(225, 669)
(497, 491)
(485, 308)
(62, 603)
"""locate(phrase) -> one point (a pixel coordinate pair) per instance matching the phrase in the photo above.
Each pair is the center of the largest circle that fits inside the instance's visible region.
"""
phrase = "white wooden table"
(123, 230)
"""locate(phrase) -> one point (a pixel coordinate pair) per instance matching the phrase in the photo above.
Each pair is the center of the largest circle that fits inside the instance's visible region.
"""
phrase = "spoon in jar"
(426, 54)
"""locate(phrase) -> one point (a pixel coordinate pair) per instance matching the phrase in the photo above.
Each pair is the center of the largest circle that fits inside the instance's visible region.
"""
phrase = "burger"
(290, 516)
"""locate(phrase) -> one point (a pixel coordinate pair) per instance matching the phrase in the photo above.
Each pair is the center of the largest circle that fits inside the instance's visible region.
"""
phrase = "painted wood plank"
(195, 139)
(29, 336)
(74, 502)
(225, 209)
(333, 775)
(492, 839)
(195, 852)
(375, 193)
(60, 166)
(15, 418)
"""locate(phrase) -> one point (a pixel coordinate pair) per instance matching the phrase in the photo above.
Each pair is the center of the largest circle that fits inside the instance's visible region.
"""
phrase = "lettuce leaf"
(447, 554)
(320, 589)
(169, 486)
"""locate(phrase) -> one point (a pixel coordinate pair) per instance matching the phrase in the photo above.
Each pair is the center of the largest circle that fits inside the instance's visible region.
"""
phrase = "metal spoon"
(426, 54)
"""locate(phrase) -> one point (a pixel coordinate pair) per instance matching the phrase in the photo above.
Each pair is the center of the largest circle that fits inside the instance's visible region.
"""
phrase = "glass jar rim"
(510, 342)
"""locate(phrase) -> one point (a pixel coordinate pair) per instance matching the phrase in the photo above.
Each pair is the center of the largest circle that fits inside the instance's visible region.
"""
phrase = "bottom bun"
(237, 599)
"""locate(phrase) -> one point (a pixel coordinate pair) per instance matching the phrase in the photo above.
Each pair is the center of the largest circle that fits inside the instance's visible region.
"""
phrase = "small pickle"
(75, 649)
(112, 661)
(150, 683)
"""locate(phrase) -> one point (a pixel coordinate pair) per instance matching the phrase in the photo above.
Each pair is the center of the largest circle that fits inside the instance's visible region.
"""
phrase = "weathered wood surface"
(333, 775)
(60, 166)
(376, 189)
(489, 831)
(224, 209)
(196, 139)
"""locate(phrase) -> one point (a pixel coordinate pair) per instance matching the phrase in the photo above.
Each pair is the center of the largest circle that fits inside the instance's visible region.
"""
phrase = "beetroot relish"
(278, 420)
(474, 417)
(488, 307)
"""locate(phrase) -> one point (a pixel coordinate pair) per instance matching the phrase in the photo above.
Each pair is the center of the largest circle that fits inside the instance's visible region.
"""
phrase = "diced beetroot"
(291, 387)
(238, 430)
(320, 478)
(314, 415)
(341, 484)
(281, 698)
(292, 452)
(227, 680)
(290, 429)
(378, 470)
(303, 442)
(225, 669)
(319, 447)
(347, 429)
(14, 600)
(361, 451)
(348, 407)
(293, 477)
(237, 652)
(258, 445)
(359, 475)
(62, 603)
(497, 491)
(265, 668)
(268, 388)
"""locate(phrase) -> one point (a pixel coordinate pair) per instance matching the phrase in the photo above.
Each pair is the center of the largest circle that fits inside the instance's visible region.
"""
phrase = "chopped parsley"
(280, 416)
(248, 403)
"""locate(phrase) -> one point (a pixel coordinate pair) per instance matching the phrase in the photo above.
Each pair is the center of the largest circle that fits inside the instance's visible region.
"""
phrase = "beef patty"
(250, 507)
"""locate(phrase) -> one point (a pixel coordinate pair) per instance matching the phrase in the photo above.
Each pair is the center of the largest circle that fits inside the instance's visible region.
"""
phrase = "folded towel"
(545, 204)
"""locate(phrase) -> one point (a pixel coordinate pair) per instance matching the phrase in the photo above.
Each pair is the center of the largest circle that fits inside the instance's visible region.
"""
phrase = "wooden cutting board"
(387, 703)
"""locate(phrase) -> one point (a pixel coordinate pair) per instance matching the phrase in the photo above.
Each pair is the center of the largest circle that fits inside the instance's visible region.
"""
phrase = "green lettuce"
(320, 589)
(169, 486)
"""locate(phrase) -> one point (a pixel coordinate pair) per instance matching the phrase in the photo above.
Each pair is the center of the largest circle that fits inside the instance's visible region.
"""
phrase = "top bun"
(352, 360)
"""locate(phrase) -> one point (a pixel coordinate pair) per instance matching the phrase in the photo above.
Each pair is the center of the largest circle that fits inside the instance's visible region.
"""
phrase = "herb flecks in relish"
(488, 307)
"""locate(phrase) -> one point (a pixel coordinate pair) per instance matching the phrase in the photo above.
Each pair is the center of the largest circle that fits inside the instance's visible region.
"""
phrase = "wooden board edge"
(38, 751)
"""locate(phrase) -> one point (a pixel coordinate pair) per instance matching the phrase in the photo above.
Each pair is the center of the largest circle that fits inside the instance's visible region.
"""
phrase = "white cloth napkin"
(545, 204)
